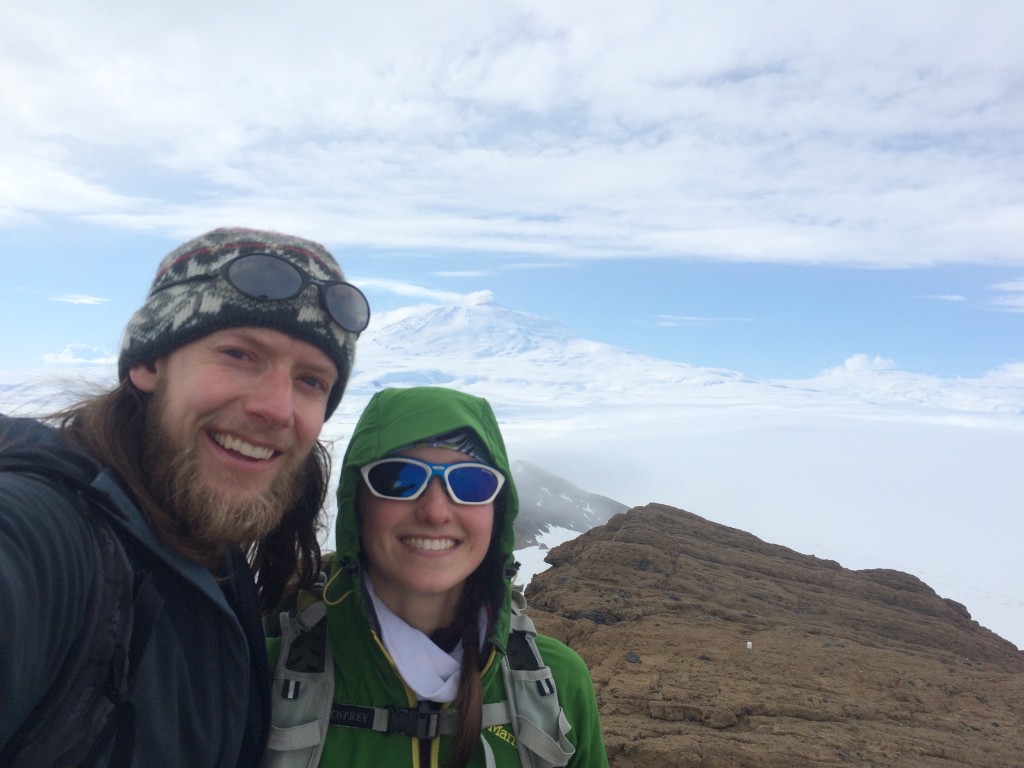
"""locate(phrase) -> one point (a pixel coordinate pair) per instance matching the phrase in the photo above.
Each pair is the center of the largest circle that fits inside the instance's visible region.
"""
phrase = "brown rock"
(852, 668)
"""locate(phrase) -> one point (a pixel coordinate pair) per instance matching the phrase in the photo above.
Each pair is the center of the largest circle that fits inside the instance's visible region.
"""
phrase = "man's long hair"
(112, 426)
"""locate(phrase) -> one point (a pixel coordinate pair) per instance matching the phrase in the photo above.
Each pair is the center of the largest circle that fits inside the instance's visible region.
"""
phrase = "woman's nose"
(434, 506)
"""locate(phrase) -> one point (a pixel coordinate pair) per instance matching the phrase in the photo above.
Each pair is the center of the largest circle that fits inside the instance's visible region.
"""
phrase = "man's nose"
(272, 398)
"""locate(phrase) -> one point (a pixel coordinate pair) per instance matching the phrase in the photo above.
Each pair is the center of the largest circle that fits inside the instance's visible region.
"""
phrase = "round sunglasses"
(405, 479)
(268, 277)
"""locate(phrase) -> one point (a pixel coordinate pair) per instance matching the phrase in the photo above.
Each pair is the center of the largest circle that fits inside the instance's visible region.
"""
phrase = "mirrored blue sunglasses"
(398, 477)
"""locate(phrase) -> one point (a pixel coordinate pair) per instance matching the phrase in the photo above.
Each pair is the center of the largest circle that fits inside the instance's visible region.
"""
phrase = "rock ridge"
(844, 667)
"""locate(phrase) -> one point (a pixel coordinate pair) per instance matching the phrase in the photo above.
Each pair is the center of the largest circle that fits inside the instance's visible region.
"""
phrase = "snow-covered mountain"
(531, 362)
(547, 501)
(862, 463)
(524, 360)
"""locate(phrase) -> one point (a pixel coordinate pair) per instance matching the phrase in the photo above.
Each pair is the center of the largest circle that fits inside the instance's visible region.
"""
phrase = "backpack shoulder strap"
(147, 603)
(83, 715)
(302, 691)
(538, 721)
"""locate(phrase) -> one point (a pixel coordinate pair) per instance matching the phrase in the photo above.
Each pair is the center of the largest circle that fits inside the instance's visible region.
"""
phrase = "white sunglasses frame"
(434, 469)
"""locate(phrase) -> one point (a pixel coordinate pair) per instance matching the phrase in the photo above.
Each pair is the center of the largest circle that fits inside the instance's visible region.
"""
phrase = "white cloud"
(1014, 303)
(791, 131)
(429, 295)
(1009, 371)
(78, 298)
(477, 297)
(462, 273)
(42, 177)
(81, 355)
(861, 363)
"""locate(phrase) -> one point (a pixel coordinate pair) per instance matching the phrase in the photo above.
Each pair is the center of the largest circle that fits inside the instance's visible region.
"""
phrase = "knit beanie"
(178, 315)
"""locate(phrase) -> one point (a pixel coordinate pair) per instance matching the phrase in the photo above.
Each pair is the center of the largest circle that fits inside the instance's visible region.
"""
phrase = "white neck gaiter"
(431, 673)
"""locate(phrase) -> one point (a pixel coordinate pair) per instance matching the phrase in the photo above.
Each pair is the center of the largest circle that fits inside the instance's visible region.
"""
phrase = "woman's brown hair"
(469, 700)
(484, 588)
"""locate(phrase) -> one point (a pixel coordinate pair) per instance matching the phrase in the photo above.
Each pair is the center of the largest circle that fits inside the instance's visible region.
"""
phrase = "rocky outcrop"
(710, 647)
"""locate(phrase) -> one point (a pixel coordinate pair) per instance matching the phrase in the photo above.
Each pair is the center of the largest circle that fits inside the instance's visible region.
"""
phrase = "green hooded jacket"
(364, 673)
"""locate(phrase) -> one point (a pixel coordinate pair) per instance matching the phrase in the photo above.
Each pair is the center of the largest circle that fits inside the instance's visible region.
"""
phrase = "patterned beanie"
(175, 316)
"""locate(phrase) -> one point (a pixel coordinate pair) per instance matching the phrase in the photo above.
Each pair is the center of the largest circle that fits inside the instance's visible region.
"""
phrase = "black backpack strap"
(138, 616)
(121, 684)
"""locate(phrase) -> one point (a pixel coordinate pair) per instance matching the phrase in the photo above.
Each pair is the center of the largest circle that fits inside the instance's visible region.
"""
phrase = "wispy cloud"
(429, 295)
(671, 321)
(78, 298)
(463, 273)
(1013, 295)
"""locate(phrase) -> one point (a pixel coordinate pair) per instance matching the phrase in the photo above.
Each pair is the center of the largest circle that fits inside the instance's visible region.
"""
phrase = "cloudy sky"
(770, 187)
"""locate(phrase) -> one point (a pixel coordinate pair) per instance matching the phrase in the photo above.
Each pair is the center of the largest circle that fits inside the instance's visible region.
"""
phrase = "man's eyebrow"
(254, 339)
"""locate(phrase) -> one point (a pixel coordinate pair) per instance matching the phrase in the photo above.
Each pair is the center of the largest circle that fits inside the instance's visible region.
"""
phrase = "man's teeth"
(242, 447)
(432, 544)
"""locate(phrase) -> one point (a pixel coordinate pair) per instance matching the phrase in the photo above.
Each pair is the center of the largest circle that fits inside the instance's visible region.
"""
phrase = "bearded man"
(132, 524)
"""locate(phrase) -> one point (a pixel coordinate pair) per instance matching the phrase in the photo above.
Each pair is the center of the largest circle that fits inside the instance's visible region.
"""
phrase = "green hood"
(395, 418)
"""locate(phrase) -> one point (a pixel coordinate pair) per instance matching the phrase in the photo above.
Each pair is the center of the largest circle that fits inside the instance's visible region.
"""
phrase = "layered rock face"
(711, 648)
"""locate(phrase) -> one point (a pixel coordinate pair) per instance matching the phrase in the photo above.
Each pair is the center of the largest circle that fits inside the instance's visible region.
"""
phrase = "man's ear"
(144, 376)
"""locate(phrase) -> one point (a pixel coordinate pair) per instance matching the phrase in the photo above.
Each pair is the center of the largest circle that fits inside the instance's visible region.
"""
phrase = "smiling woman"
(419, 607)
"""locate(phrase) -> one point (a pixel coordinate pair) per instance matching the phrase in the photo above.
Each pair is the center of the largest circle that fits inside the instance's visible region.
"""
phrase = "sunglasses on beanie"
(271, 278)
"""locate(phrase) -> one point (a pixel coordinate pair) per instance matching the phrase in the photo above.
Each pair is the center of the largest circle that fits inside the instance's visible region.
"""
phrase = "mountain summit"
(481, 330)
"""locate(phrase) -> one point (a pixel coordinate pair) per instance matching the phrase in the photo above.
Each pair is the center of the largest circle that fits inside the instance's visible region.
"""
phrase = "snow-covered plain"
(863, 463)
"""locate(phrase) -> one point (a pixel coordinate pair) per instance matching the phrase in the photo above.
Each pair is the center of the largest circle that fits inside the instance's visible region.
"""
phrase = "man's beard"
(204, 517)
